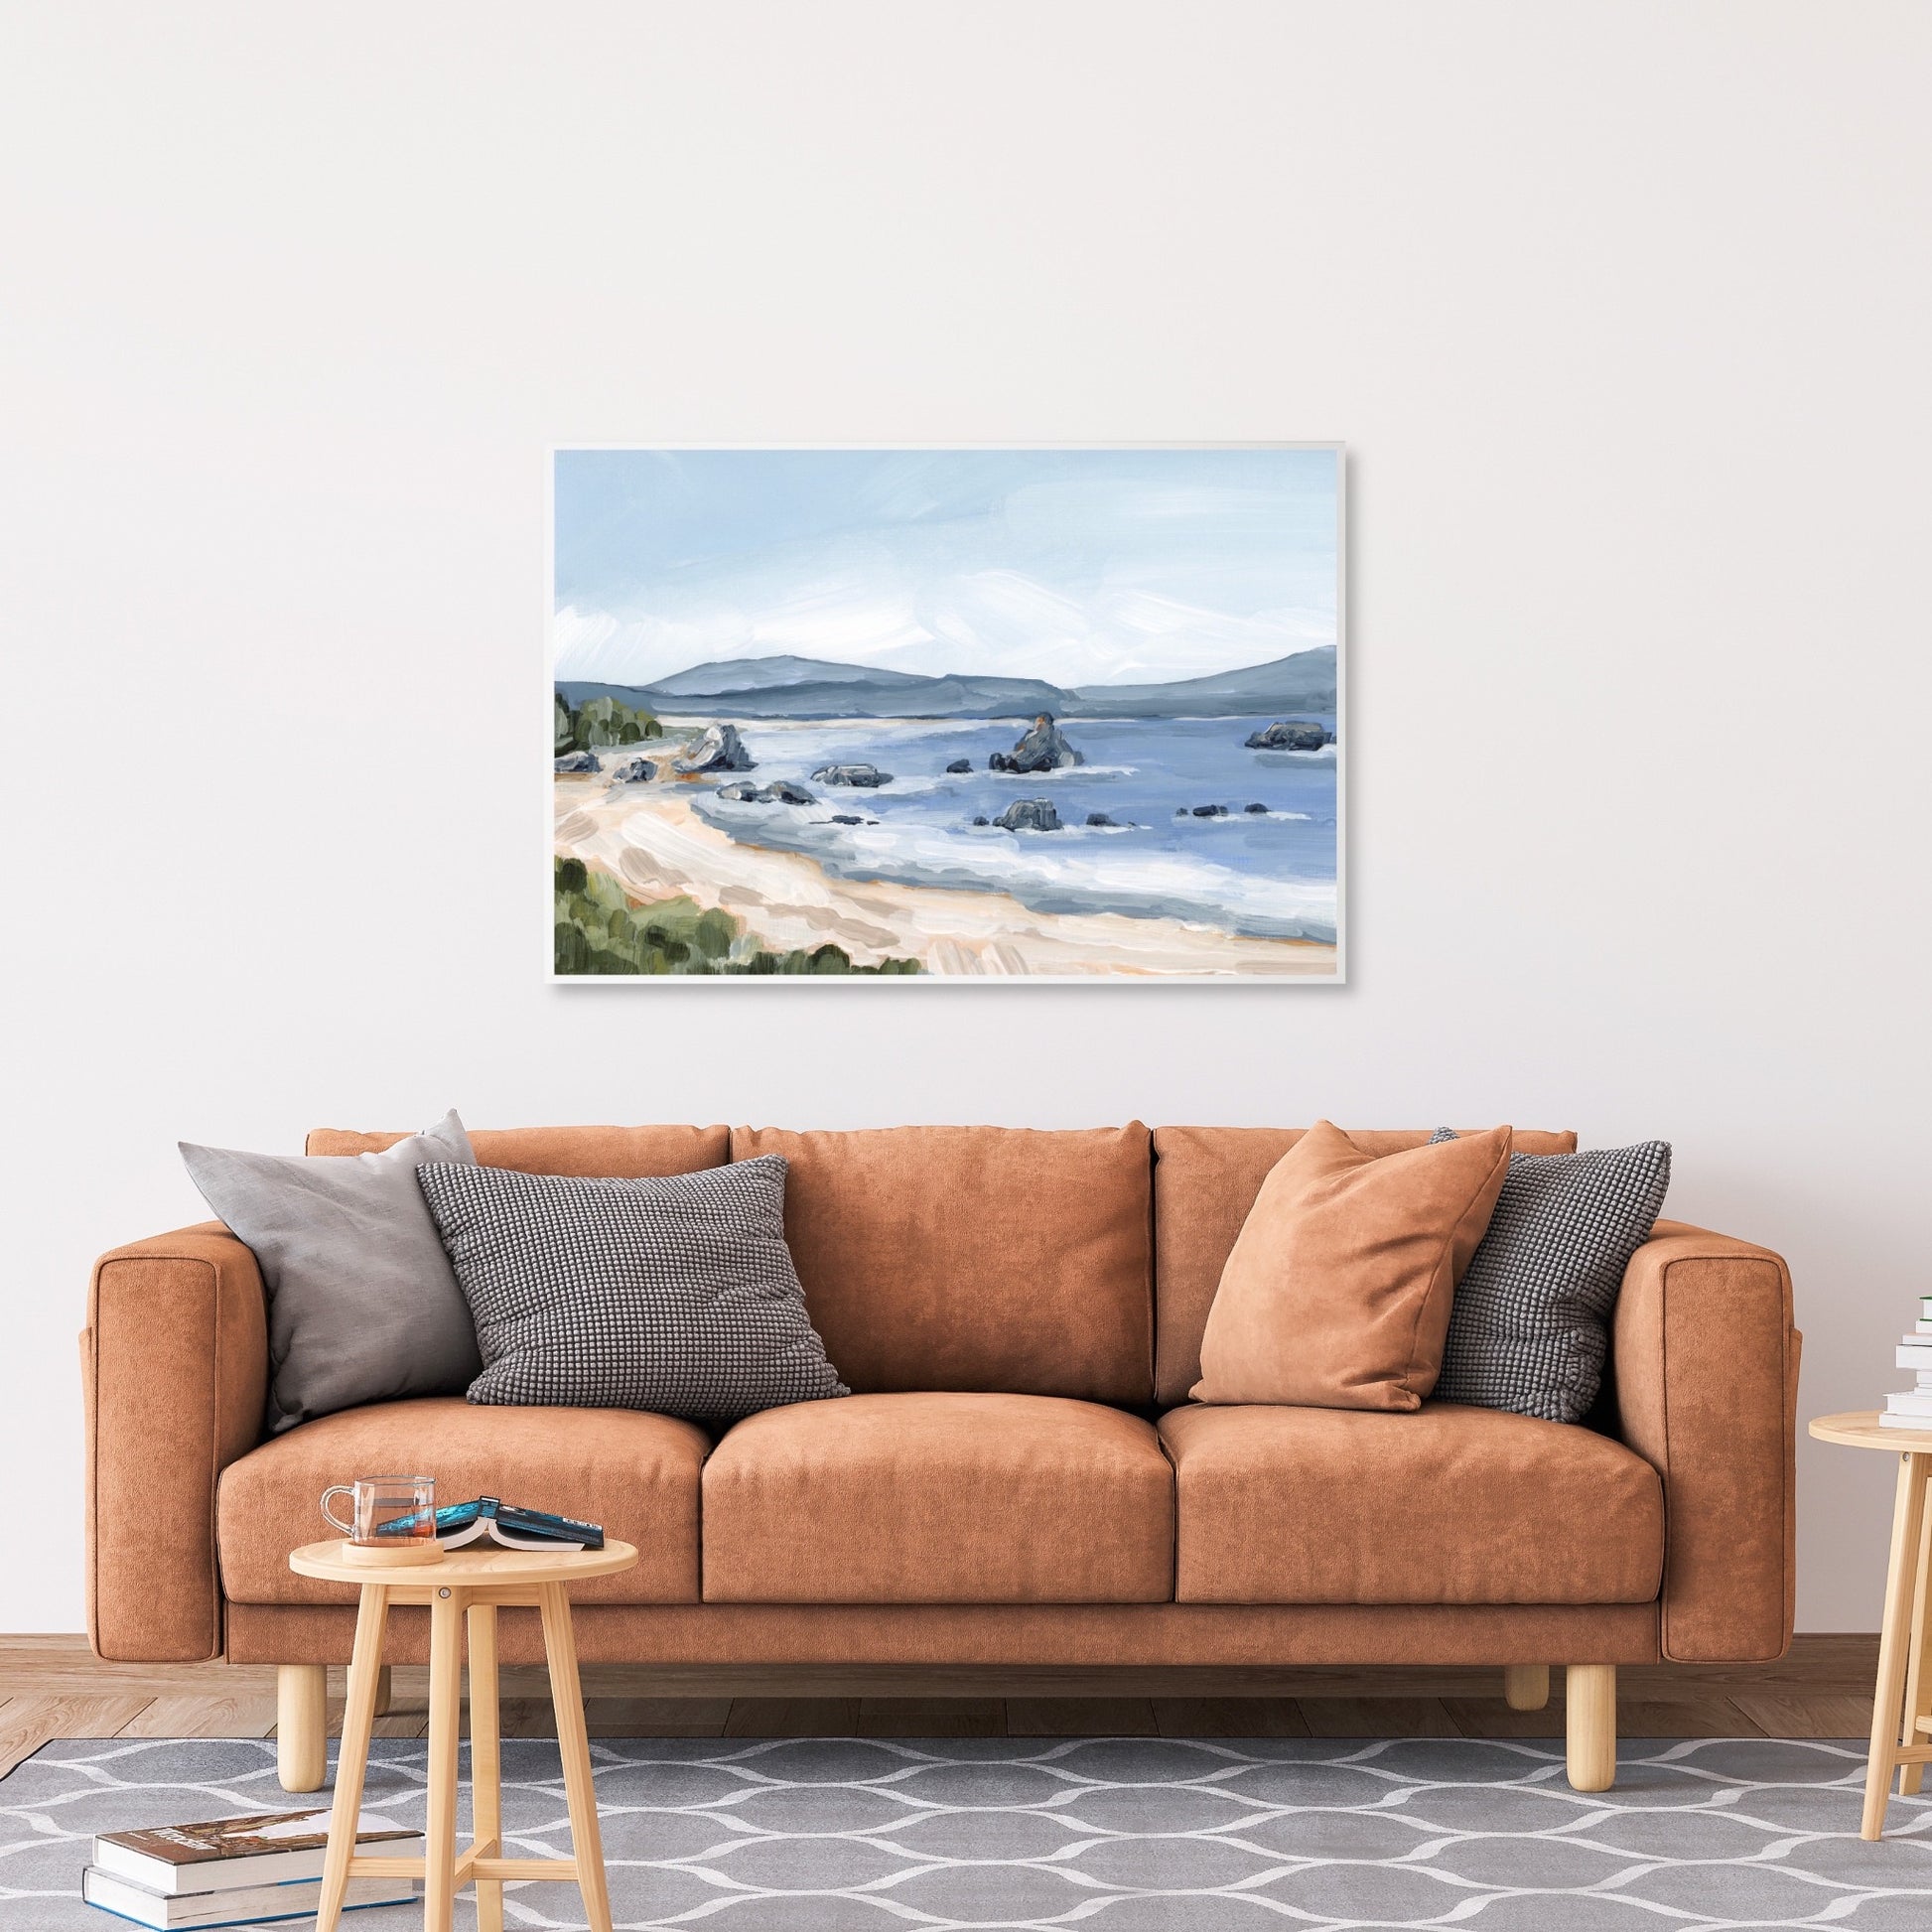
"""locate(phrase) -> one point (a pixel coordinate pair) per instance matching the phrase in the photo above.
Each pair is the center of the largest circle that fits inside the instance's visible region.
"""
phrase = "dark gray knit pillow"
(676, 1295)
(1529, 1328)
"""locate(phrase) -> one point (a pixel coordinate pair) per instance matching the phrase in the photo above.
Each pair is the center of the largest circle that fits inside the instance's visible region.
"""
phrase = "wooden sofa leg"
(384, 1690)
(302, 1725)
(1526, 1687)
(1590, 1726)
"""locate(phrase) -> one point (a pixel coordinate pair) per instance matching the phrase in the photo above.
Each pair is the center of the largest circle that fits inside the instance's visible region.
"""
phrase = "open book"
(488, 1519)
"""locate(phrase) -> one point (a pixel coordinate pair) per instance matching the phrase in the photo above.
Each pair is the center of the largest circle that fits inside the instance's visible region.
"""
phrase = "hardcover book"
(237, 1905)
(258, 1849)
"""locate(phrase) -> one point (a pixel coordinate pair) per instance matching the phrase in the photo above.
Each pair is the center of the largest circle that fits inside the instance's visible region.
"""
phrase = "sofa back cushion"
(609, 1153)
(997, 1259)
(1205, 1180)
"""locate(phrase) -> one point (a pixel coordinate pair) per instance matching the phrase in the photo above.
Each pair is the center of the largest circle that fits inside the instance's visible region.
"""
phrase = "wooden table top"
(475, 1564)
(1861, 1429)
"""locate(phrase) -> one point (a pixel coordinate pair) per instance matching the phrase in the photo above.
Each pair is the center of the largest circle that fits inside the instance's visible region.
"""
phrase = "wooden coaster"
(412, 1555)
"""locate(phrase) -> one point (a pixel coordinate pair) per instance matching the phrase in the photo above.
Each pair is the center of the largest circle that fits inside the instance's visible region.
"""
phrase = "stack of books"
(1912, 1408)
(236, 1871)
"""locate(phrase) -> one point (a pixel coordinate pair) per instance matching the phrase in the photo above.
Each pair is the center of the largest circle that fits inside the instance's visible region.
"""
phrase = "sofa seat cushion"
(633, 1473)
(1444, 1505)
(940, 1498)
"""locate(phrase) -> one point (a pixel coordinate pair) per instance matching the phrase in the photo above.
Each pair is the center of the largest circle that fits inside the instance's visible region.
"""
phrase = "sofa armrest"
(1706, 1377)
(174, 1362)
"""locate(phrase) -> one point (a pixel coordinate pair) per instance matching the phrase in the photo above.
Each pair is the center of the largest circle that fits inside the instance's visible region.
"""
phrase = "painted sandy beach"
(652, 844)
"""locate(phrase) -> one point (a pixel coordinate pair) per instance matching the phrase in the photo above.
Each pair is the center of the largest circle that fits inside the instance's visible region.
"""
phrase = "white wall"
(1622, 310)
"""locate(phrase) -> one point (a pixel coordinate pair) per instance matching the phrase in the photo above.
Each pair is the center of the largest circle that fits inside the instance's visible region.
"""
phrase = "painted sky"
(1077, 565)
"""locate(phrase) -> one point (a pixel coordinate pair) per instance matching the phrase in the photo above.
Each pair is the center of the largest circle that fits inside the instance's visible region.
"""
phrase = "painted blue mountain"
(810, 687)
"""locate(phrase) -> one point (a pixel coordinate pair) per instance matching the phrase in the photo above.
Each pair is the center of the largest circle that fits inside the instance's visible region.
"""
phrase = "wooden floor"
(53, 1686)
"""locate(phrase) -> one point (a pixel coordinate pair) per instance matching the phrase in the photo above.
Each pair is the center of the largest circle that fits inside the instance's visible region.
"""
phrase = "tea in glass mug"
(384, 1510)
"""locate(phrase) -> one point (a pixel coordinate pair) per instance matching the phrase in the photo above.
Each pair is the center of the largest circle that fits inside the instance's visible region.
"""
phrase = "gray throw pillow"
(362, 1304)
(677, 1295)
(1529, 1328)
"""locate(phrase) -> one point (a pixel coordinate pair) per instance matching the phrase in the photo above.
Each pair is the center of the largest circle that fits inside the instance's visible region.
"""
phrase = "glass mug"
(378, 1502)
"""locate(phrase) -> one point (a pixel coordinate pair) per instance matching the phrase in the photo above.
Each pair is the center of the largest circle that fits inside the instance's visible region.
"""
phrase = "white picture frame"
(1254, 903)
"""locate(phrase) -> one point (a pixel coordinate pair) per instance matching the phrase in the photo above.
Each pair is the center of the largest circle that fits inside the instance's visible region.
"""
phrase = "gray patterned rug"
(1115, 1835)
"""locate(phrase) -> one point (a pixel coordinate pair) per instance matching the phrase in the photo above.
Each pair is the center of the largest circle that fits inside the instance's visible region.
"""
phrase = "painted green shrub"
(601, 929)
(599, 723)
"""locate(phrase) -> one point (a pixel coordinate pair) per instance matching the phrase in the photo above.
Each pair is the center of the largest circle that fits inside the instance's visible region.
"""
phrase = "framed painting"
(947, 714)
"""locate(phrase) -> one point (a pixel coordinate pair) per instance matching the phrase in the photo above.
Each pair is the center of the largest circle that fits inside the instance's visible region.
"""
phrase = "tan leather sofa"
(1018, 1479)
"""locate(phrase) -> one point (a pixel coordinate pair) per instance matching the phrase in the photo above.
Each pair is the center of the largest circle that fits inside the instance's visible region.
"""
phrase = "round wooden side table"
(471, 1584)
(1901, 1700)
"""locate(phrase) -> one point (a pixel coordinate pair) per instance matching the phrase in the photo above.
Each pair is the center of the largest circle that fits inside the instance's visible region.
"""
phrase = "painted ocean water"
(1269, 874)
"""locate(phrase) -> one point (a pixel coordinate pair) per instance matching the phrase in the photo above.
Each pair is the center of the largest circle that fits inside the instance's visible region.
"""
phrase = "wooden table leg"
(1894, 1639)
(366, 1673)
(444, 1715)
(1917, 1684)
(485, 1761)
(574, 1743)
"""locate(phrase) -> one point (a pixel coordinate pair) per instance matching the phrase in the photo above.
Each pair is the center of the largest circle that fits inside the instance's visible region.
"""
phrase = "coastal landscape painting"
(1018, 713)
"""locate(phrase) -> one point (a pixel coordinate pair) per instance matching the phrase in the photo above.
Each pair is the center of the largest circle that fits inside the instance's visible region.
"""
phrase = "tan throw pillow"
(1337, 1293)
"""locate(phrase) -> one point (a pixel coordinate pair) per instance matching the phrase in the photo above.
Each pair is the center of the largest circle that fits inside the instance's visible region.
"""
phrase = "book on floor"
(236, 1905)
(263, 1848)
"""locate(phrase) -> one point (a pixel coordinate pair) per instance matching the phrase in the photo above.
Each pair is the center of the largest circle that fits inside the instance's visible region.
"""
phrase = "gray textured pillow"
(362, 1304)
(1529, 1328)
(677, 1295)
